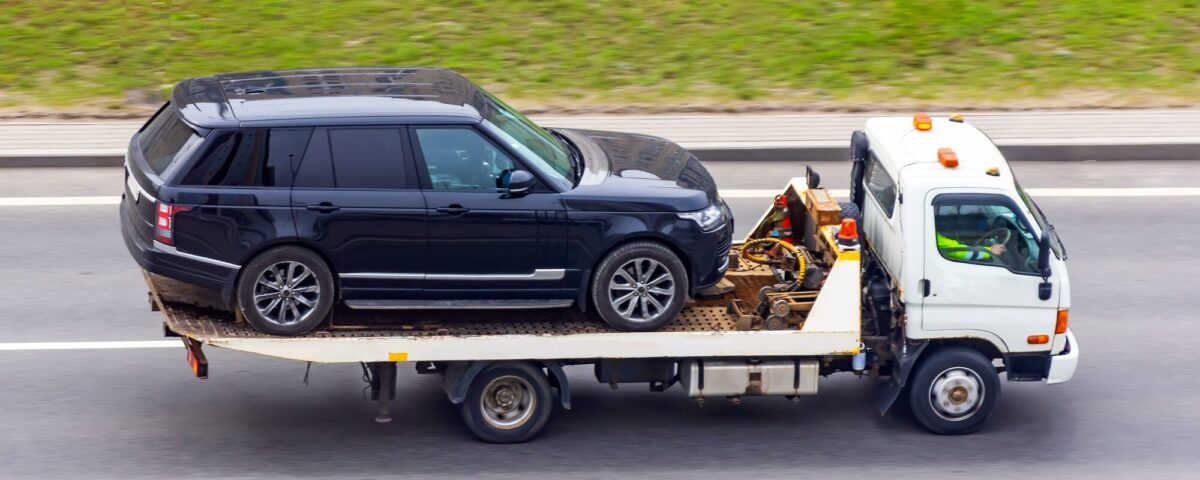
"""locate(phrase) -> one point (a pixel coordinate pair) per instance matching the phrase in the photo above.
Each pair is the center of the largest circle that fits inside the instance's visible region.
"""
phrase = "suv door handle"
(324, 207)
(454, 209)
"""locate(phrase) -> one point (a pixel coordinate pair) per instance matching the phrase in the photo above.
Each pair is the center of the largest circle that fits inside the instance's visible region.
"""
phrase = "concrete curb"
(1021, 136)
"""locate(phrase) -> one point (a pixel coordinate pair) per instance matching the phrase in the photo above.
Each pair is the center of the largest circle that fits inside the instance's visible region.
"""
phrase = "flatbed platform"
(704, 329)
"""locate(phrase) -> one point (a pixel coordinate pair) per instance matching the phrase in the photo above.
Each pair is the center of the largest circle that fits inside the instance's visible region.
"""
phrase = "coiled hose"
(801, 263)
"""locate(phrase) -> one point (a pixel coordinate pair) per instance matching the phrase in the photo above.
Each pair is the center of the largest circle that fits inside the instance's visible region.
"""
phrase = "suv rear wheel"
(286, 291)
(639, 287)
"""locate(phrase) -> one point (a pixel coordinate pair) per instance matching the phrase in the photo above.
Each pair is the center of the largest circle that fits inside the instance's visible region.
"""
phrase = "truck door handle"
(324, 207)
(925, 286)
(454, 209)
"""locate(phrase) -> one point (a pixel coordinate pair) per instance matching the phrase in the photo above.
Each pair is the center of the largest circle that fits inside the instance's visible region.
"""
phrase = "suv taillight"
(164, 222)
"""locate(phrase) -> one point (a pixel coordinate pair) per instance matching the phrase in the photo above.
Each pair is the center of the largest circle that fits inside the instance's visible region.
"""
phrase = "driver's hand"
(997, 249)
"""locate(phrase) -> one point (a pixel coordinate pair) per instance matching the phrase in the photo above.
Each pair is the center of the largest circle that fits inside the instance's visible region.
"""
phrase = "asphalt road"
(1130, 412)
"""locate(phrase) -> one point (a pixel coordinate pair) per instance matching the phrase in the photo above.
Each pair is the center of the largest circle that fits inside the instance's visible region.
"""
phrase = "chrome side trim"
(169, 250)
(384, 276)
(456, 304)
(539, 274)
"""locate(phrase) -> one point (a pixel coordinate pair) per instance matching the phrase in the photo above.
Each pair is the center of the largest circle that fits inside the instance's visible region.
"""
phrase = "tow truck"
(956, 278)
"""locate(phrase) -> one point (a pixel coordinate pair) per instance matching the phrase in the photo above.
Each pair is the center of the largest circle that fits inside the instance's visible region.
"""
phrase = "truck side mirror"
(1044, 253)
(1045, 289)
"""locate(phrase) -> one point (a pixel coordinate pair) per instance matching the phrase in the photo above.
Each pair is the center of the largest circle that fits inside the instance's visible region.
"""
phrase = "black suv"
(411, 188)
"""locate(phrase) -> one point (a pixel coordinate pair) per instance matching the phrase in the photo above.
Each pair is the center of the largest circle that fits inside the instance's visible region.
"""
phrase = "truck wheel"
(954, 391)
(639, 287)
(508, 403)
(285, 291)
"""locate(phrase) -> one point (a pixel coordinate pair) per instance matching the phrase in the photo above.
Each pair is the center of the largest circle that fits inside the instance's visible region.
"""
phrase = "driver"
(956, 250)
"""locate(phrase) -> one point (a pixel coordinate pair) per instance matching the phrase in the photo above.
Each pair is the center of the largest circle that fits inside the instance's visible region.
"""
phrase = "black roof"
(328, 96)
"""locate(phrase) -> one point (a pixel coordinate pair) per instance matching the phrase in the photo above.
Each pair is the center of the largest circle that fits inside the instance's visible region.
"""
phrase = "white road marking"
(57, 201)
(1119, 192)
(121, 345)
(1036, 192)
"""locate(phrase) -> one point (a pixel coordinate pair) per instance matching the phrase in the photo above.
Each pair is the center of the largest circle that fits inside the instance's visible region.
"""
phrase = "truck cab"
(960, 245)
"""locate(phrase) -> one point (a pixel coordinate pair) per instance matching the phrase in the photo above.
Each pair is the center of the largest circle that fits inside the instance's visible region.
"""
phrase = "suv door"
(357, 200)
(972, 282)
(484, 242)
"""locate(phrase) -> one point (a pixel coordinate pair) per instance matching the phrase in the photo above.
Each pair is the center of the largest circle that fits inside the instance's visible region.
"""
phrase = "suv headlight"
(709, 218)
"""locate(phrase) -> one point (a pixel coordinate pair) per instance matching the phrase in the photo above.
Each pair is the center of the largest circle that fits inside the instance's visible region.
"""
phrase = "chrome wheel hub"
(508, 402)
(956, 394)
(641, 290)
(286, 293)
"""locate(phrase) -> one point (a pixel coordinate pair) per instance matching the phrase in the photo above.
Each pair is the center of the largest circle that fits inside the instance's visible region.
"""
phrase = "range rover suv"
(289, 192)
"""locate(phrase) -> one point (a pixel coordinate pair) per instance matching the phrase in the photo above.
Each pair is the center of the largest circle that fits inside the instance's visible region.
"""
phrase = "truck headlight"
(709, 218)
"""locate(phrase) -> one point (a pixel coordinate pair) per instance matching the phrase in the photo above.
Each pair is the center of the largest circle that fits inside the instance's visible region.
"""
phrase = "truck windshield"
(1040, 218)
(166, 139)
(538, 148)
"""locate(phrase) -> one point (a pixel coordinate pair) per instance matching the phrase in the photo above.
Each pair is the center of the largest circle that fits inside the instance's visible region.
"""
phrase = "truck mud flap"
(887, 393)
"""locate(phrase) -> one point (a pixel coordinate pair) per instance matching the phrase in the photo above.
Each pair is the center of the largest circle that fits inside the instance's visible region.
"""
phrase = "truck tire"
(850, 210)
(639, 287)
(954, 391)
(508, 402)
(285, 291)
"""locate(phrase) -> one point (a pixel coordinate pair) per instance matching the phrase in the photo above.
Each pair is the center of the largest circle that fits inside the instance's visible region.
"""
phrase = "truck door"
(980, 270)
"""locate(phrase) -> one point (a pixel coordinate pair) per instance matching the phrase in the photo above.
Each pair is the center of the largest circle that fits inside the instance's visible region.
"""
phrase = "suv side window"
(459, 158)
(249, 158)
(881, 185)
(985, 233)
(354, 158)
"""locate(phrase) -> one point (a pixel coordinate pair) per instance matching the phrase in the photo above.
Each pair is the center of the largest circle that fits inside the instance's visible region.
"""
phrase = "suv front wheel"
(286, 291)
(639, 287)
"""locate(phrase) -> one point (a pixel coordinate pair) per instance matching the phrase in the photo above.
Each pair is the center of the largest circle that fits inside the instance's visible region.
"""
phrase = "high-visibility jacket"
(956, 250)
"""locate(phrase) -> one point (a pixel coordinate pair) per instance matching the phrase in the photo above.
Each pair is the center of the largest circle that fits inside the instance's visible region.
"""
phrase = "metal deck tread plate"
(195, 313)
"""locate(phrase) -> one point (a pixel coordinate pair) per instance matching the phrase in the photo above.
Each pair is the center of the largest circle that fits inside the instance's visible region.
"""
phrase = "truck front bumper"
(1062, 366)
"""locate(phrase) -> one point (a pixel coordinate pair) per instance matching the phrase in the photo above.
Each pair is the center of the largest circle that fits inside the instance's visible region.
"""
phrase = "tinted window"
(367, 157)
(881, 185)
(257, 157)
(461, 159)
(165, 139)
(316, 170)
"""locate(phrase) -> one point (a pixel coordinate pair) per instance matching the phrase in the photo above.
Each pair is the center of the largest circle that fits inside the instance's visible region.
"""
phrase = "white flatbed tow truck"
(812, 300)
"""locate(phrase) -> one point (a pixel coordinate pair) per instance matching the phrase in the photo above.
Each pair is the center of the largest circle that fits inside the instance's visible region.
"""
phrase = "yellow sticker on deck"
(398, 357)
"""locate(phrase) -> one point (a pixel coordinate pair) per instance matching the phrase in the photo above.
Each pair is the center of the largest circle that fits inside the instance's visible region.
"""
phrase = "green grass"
(66, 53)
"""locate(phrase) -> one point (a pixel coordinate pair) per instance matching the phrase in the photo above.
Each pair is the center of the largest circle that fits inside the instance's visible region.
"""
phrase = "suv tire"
(639, 287)
(285, 291)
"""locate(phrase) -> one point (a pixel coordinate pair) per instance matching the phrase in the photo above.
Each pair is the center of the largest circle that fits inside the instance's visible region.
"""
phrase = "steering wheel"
(994, 236)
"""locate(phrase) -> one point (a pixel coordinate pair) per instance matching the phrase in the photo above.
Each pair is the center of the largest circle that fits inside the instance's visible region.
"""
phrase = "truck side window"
(881, 185)
(461, 159)
(985, 234)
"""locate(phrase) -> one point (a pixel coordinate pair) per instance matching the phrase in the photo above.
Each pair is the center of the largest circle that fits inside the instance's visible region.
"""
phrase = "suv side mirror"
(520, 182)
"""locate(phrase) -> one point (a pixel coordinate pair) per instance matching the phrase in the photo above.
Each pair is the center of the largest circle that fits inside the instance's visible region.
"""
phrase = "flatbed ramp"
(704, 329)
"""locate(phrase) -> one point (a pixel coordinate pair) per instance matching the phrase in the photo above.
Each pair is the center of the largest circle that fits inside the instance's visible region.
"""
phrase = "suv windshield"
(166, 139)
(538, 148)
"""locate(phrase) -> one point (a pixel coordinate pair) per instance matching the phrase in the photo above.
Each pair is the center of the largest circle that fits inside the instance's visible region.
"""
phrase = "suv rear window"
(166, 139)
(250, 158)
